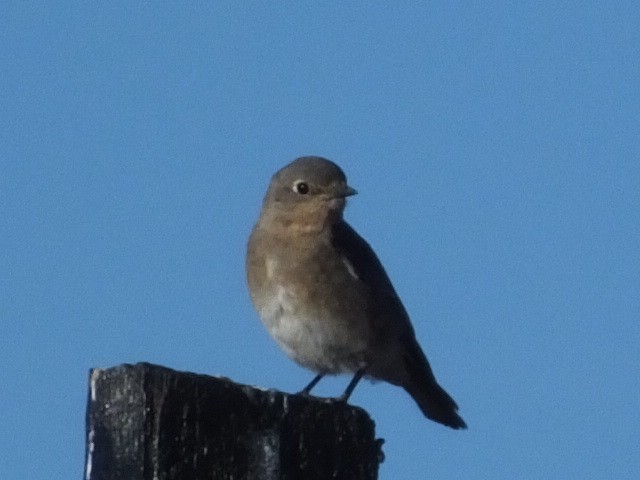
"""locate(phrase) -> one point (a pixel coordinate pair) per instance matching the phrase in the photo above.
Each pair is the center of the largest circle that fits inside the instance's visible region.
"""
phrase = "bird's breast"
(316, 333)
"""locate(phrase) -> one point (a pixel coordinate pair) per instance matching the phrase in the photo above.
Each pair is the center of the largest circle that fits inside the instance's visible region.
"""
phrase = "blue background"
(495, 146)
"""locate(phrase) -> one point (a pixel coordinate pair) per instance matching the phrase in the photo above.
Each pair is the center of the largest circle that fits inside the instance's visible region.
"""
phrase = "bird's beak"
(347, 191)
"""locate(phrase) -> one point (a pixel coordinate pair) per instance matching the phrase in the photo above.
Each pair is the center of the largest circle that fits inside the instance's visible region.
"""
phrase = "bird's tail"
(435, 403)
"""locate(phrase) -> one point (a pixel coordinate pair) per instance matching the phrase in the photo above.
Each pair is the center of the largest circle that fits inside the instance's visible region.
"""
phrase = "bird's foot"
(306, 391)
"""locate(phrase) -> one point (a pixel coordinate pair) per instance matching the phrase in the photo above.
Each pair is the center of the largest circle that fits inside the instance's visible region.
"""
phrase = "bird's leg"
(306, 391)
(352, 385)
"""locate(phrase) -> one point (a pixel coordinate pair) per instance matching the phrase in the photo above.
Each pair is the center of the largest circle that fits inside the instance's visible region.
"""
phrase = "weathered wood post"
(146, 422)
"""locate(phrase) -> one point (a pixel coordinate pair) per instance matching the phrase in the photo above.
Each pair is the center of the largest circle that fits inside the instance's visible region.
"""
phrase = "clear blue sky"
(496, 149)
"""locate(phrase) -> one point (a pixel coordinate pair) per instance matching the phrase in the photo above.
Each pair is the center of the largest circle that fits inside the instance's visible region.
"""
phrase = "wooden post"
(146, 422)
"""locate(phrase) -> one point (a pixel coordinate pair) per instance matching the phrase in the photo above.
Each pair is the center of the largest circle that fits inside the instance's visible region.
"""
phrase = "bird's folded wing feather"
(368, 269)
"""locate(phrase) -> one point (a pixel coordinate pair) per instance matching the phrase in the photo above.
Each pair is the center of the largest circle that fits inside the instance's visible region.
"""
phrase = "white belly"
(320, 343)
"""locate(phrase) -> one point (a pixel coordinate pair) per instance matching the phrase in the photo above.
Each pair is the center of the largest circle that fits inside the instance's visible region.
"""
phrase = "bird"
(324, 296)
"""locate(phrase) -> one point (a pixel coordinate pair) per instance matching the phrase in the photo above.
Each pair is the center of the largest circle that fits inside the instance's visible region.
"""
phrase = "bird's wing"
(432, 399)
(368, 269)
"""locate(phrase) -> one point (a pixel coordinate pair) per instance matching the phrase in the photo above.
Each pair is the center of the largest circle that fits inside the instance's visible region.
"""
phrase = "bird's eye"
(301, 188)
